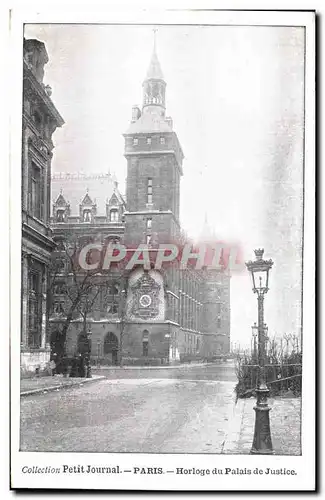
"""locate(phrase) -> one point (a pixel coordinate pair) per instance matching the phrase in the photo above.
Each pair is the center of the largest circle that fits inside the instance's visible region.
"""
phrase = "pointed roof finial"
(154, 70)
(155, 29)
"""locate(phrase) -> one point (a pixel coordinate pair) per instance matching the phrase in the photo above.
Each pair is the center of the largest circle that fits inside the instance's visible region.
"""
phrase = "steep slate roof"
(73, 188)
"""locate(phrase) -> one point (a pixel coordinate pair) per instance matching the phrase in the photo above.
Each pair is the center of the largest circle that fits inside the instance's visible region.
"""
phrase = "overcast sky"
(236, 97)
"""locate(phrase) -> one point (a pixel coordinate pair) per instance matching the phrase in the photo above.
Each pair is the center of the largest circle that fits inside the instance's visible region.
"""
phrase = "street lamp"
(88, 367)
(262, 443)
(254, 338)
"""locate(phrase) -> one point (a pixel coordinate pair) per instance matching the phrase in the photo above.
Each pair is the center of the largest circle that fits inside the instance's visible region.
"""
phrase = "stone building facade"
(143, 315)
(40, 118)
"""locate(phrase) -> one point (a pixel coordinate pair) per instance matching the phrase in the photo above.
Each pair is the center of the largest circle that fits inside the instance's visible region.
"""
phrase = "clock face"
(145, 300)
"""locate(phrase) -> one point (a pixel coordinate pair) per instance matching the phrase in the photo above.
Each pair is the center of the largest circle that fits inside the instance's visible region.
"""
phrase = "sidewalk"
(285, 426)
(37, 385)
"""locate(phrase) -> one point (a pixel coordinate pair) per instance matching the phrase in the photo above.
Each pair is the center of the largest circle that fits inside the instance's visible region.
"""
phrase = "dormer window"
(87, 215)
(135, 142)
(162, 140)
(113, 215)
(148, 140)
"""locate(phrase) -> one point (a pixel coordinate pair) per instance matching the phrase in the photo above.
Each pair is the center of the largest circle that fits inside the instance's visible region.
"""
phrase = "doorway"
(111, 348)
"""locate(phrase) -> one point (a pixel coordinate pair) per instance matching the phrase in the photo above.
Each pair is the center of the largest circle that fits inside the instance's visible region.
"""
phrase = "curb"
(62, 386)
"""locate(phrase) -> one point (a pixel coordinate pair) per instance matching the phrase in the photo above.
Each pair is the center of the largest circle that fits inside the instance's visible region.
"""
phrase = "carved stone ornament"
(145, 303)
(39, 145)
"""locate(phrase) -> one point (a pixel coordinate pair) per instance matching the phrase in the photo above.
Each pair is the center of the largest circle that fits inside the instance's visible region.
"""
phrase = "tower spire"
(154, 85)
(154, 71)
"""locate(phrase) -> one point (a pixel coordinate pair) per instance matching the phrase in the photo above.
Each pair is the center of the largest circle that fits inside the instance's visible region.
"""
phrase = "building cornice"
(39, 90)
(37, 237)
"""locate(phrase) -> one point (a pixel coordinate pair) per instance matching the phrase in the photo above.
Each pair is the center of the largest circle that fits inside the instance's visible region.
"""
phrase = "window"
(60, 289)
(113, 290)
(36, 191)
(145, 348)
(148, 140)
(112, 309)
(149, 191)
(59, 308)
(87, 215)
(135, 142)
(162, 140)
(148, 239)
(113, 215)
(149, 223)
(145, 343)
(60, 215)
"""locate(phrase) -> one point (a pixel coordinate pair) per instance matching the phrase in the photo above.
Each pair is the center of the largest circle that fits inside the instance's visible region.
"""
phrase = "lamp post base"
(262, 444)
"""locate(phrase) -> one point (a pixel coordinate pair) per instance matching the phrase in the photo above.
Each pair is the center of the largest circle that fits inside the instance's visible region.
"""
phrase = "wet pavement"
(181, 410)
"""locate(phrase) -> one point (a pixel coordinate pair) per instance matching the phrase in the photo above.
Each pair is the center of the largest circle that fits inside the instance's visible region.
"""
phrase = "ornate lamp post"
(259, 269)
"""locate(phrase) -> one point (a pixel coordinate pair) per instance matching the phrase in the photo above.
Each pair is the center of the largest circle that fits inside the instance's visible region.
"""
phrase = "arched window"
(113, 215)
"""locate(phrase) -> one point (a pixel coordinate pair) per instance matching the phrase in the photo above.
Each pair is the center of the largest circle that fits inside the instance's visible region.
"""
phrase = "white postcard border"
(304, 465)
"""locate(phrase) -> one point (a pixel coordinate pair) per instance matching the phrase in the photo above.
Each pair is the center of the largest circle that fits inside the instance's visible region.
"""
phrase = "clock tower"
(154, 166)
